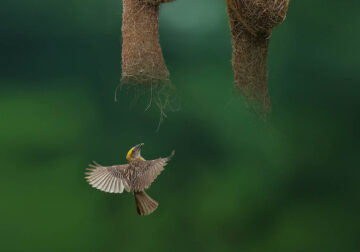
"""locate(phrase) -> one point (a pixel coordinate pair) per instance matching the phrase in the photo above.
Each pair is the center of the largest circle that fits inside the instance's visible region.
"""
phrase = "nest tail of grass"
(163, 95)
(142, 58)
(144, 72)
(251, 23)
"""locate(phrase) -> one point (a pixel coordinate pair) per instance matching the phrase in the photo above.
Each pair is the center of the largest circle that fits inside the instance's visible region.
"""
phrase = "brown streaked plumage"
(136, 176)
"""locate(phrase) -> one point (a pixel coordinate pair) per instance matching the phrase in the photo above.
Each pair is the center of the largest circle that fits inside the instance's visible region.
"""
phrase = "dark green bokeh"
(234, 183)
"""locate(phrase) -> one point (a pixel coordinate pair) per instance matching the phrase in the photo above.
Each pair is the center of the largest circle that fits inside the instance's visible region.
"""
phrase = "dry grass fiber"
(251, 23)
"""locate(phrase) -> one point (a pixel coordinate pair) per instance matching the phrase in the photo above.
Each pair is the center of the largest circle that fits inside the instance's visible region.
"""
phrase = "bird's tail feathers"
(144, 204)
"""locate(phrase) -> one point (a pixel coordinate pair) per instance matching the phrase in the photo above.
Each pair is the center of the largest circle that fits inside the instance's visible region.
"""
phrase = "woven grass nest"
(142, 58)
(251, 23)
(143, 65)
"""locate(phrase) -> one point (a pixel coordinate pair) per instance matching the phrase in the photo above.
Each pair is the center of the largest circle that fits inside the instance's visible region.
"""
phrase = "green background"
(234, 184)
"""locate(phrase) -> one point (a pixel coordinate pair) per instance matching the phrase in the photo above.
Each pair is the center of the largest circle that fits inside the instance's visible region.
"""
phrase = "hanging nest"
(142, 58)
(251, 23)
(143, 67)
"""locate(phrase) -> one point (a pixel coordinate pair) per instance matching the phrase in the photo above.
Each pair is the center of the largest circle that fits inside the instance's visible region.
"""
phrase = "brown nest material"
(142, 58)
(143, 68)
(163, 95)
(251, 23)
(157, 2)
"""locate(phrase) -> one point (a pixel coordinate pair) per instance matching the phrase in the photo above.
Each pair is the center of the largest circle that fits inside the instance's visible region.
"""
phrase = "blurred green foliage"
(234, 183)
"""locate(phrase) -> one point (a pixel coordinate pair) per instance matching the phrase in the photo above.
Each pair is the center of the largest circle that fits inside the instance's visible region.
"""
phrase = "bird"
(135, 176)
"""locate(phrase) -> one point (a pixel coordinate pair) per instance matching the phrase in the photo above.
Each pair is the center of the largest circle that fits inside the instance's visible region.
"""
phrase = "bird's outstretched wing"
(108, 178)
(149, 171)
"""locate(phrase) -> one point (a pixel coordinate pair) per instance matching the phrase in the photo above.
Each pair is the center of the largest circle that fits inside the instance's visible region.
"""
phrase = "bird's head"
(134, 152)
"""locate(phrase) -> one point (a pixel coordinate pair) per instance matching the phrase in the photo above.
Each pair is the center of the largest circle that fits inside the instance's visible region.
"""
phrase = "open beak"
(138, 147)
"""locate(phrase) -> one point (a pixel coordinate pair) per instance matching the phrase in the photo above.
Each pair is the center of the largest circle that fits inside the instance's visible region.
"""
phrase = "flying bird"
(136, 176)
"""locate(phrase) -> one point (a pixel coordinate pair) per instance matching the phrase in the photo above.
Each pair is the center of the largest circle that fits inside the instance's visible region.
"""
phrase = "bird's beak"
(138, 147)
